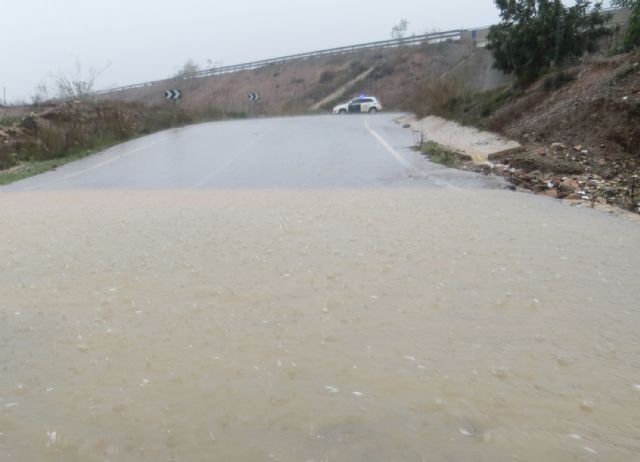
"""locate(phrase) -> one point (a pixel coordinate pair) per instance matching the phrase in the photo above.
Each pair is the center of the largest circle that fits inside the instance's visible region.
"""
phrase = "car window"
(367, 100)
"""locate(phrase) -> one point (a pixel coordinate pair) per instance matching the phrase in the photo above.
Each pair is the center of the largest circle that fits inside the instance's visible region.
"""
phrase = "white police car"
(367, 104)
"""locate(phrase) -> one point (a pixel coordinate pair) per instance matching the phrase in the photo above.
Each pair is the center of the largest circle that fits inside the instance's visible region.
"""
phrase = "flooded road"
(316, 325)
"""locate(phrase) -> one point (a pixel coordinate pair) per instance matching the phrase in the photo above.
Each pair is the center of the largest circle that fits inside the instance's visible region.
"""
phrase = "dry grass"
(439, 98)
(71, 130)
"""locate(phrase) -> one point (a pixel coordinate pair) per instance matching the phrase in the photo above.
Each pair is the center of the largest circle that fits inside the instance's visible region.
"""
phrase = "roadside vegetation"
(29, 168)
(62, 132)
(66, 121)
(451, 99)
(442, 155)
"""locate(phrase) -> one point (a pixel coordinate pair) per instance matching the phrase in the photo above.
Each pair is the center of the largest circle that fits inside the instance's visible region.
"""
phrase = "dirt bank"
(579, 130)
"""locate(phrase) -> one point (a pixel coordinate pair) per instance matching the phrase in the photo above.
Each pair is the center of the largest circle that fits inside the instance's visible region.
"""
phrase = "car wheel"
(342, 111)
(373, 110)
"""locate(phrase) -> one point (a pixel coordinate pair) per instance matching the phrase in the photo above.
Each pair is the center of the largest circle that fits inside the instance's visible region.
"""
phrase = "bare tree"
(187, 70)
(400, 30)
(40, 94)
(77, 86)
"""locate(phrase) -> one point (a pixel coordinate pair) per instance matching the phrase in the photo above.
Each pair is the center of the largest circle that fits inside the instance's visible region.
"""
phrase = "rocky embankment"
(584, 188)
(585, 185)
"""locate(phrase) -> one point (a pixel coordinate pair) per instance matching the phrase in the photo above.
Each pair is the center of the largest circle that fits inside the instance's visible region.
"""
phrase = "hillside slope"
(580, 131)
(296, 86)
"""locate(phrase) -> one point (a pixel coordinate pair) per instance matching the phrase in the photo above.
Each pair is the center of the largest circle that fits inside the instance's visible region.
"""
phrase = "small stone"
(570, 183)
(500, 372)
(553, 193)
(587, 405)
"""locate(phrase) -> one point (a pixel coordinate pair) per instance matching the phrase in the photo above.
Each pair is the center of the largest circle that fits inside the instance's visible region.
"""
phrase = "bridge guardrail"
(435, 37)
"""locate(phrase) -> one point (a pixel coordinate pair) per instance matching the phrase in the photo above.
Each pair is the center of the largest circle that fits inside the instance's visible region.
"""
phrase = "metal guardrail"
(409, 41)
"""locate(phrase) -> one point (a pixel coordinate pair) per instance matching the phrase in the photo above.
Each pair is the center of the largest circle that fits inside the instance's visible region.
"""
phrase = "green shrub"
(442, 155)
(632, 37)
(537, 35)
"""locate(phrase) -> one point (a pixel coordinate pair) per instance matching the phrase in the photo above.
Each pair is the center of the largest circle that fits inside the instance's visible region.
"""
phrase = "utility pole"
(4, 98)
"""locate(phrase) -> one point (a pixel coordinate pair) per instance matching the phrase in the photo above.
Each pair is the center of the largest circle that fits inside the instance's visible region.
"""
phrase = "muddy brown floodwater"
(391, 325)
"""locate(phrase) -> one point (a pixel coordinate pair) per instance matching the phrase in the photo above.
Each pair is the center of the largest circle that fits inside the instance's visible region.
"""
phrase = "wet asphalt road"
(297, 152)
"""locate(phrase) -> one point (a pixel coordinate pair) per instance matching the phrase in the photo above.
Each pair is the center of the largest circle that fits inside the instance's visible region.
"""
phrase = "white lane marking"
(398, 157)
(395, 154)
(230, 161)
(99, 165)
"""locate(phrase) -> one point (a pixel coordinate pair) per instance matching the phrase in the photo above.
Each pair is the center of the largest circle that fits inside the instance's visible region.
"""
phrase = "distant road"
(297, 152)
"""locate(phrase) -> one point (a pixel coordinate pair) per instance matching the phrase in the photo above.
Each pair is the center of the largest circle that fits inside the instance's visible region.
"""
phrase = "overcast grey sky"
(148, 39)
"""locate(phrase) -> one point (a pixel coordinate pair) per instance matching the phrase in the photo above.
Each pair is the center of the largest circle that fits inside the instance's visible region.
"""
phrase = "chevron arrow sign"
(254, 97)
(173, 95)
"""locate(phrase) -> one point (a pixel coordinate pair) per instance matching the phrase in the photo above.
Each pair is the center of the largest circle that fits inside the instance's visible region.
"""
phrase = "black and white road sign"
(254, 97)
(173, 94)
